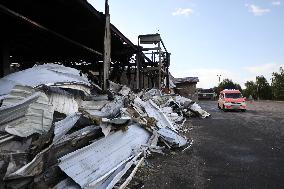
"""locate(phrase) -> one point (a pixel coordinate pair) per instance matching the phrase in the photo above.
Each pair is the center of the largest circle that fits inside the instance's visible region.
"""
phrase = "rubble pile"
(58, 130)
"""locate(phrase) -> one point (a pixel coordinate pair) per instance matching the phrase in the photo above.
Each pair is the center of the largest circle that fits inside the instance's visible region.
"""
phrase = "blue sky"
(238, 39)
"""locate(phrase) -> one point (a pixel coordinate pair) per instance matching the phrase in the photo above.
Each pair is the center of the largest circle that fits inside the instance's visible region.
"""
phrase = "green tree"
(264, 90)
(278, 84)
(227, 84)
(251, 89)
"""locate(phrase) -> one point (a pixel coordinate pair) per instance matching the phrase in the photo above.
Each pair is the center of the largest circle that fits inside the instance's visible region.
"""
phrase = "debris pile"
(58, 130)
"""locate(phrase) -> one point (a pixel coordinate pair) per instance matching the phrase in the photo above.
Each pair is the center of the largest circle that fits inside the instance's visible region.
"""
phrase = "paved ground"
(231, 150)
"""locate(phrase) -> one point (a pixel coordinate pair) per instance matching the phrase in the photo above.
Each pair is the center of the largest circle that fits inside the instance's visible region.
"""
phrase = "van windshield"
(233, 95)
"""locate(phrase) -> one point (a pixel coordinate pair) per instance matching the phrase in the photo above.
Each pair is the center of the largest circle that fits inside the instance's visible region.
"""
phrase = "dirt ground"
(230, 150)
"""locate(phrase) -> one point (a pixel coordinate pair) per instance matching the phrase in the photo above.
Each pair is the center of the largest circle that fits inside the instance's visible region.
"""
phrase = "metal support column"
(138, 67)
(168, 79)
(4, 59)
(107, 46)
(168, 56)
(160, 66)
(137, 71)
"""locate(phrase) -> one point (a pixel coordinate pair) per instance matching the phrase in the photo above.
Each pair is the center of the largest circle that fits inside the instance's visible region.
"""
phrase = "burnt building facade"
(187, 87)
(72, 33)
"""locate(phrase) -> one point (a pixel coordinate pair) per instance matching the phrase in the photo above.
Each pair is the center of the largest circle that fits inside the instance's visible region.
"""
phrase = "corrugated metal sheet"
(47, 74)
(166, 129)
(65, 104)
(172, 137)
(154, 111)
(78, 134)
(63, 126)
(11, 112)
(93, 105)
(109, 110)
(28, 112)
(94, 163)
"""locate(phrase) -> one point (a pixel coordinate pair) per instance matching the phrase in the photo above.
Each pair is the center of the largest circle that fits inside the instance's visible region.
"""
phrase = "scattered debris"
(26, 111)
(189, 146)
(57, 129)
(53, 75)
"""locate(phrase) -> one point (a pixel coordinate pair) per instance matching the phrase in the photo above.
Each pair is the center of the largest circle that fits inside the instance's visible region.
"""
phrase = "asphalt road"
(231, 150)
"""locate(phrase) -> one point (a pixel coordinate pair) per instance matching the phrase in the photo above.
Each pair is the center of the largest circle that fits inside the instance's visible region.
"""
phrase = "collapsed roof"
(57, 30)
(82, 141)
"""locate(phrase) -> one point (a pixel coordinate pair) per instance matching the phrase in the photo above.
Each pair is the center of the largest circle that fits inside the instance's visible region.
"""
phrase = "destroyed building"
(187, 87)
(58, 127)
(72, 34)
(60, 130)
(206, 94)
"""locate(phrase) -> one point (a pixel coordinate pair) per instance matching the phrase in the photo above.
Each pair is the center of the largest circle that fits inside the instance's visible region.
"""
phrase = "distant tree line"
(260, 89)
(227, 84)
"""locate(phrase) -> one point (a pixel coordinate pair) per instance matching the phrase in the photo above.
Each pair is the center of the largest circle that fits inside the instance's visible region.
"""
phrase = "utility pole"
(219, 76)
(107, 45)
(257, 88)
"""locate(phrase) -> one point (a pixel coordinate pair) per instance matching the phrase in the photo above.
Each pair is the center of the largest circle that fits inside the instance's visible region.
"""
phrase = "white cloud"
(257, 11)
(276, 3)
(181, 11)
(265, 69)
(270, 67)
